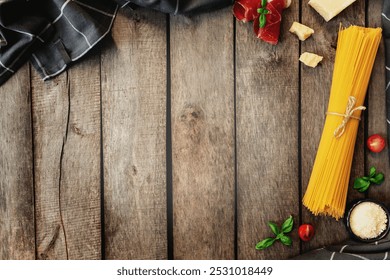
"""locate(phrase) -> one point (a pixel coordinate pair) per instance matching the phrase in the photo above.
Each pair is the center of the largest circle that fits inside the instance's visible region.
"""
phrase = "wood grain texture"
(203, 136)
(267, 137)
(17, 236)
(315, 90)
(134, 137)
(66, 112)
(377, 110)
(236, 130)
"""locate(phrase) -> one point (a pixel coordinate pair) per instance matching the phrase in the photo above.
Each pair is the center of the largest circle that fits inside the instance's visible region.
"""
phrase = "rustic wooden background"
(178, 138)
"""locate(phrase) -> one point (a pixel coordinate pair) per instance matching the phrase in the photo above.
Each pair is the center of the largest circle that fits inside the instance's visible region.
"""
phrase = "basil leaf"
(274, 227)
(378, 179)
(363, 189)
(265, 11)
(360, 183)
(279, 236)
(265, 243)
(372, 171)
(288, 225)
(262, 20)
(263, 3)
(286, 240)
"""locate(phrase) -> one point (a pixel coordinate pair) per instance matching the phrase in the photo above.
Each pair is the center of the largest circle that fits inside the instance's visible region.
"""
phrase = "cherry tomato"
(376, 143)
(306, 232)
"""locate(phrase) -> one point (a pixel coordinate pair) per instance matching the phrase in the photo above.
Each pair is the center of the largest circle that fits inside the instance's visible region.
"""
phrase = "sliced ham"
(246, 10)
(270, 32)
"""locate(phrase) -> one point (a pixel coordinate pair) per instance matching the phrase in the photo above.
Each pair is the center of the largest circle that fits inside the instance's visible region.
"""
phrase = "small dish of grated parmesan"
(368, 221)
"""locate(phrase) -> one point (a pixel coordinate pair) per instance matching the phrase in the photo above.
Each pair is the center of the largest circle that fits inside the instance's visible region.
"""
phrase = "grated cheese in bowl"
(368, 220)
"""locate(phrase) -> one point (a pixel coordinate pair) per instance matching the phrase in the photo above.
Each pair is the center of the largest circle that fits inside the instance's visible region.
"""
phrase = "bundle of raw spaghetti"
(327, 190)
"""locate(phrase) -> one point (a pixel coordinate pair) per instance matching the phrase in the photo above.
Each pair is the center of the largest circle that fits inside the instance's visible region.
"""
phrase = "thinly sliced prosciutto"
(248, 10)
(271, 31)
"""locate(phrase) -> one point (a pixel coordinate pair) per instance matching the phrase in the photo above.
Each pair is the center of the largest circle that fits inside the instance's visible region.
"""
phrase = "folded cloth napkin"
(351, 250)
(54, 33)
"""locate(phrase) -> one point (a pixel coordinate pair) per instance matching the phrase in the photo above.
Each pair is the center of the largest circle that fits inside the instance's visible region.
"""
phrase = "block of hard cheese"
(310, 59)
(328, 9)
(302, 31)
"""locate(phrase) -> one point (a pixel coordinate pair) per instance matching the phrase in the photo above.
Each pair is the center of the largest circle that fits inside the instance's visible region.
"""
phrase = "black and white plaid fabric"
(351, 250)
(54, 33)
(51, 33)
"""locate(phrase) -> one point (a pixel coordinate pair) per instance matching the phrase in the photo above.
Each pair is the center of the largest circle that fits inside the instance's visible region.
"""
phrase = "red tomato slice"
(376, 143)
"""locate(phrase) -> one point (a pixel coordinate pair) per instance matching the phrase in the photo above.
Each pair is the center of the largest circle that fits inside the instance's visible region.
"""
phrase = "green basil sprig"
(262, 11)
(287, 227)
(362, 184)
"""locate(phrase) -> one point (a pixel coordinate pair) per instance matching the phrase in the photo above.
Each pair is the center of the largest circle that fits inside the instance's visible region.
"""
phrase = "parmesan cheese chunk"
(328, 9)
(302, 31)
(310, 59)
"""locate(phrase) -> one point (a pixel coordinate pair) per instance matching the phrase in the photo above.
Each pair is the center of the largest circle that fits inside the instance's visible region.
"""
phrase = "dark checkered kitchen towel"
(54, 33)
(351, 250)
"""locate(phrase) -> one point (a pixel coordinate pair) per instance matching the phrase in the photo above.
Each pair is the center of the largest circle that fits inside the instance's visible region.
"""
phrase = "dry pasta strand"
(326, 193)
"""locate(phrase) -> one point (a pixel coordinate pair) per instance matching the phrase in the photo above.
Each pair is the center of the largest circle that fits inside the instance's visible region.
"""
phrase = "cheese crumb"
(302, 31)
(310, 59)
(368, 220)
(328, 9)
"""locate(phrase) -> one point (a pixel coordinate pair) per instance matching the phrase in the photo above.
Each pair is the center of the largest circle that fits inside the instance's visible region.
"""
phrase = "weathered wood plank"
(66, 114)
(315, 90)
(203, 135)
(17, 233)
(50, 111)
(134, 124)
(377, 109)
(267, 137)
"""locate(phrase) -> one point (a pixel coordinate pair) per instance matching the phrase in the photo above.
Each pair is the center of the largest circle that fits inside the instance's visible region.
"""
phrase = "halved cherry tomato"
(306, 232)
(376, 143)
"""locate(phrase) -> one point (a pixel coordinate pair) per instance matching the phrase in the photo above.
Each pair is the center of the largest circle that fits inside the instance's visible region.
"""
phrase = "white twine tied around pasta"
(339, 131)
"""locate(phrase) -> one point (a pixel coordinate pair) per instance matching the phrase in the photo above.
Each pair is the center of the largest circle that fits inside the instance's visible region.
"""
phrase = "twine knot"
(339, 131)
